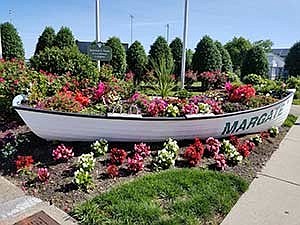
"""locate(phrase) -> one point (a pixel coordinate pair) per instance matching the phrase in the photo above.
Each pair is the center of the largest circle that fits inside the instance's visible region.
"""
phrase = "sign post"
(186, 16)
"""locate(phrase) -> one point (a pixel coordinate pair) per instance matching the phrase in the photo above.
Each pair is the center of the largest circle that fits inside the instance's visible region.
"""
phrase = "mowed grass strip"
(176, 196)
(290, 120)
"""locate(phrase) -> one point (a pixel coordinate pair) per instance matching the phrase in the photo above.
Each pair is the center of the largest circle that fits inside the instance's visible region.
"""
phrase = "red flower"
(24, 162)
(234, 140)
(264, 135)
(193, 154)
(43, 174)
(244, 150)
(241, 93)
(117, 156)
(85, 101)
(112, 170)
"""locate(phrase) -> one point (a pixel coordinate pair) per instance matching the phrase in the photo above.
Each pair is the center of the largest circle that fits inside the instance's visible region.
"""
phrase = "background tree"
(237, 49)
(265, 44)
(118, 61)
(12, 46)
(64, 38)
(46, 40)
(137, 60)
(207, 56)
(160, 51)
(255, 62)
(176, 49)
(189, 59)
(292, 61)
(226, 59)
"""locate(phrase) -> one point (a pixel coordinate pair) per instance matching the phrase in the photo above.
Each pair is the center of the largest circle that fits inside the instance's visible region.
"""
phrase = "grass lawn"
(176, 196)
(290, 121)
(296, 102)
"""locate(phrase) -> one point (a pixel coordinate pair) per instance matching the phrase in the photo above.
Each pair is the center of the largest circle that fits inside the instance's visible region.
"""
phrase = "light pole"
(98, 27)
(0, 45)
(131, 28)
(185, 29)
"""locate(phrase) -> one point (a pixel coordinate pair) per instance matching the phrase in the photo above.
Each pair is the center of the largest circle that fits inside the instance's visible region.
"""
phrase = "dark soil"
(60, 189)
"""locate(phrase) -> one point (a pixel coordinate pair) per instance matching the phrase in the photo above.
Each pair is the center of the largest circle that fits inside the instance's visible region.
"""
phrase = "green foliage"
(207, 56)
(118, 61)
(178, 196)
(64, 38)
(237, 49)
(265, 44)
(293, 82)
(253, 79)
(12, 46)
(160, 51)
(61, 61)
(256, 62)
(189, 59)
(46, 40)
(183, 93)
(233, 77)
(87, 162)
(226, 59)
(100, 147)
(176, 49)
(137, 60)
(83, 179)
(165, 83)
(290, 121)
(292, 62)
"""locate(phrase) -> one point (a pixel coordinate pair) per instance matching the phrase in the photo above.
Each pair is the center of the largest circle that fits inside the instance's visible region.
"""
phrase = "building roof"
(282, 52)
(275, 60)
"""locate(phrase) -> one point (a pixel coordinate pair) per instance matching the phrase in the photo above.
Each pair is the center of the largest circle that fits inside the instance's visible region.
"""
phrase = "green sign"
(98, 51)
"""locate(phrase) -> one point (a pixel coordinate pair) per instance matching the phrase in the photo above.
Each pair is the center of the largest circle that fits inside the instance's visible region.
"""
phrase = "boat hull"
(51, 125)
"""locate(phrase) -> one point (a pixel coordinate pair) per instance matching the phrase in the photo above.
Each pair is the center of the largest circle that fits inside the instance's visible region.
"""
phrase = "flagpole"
(184, 46)
(98, 27)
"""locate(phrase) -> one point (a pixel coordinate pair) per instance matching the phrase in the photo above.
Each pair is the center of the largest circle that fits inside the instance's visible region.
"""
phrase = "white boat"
(64, 126)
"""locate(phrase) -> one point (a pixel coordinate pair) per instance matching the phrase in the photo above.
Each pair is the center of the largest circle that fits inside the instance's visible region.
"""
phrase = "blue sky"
(221, 19)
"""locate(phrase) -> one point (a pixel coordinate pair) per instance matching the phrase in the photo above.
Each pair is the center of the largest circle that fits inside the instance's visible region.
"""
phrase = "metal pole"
(0, 45)
(168, 32)
(131, 28)
(186, 15)
(98, 27)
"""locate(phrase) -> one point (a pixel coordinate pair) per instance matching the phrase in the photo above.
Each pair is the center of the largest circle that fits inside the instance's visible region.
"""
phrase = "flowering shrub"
(83, 100)
(142, 149)
(43, 174)
(135, 164)
(192, 155)
(100, 90)
(100, 147)
(157, 107)
(274, 131)
(212, 145)
(244, 149)
(241, 93)
(87, 162)
(62, 153)
(230, 152)
(83, 179)
(24, 162)
(166, 157)
(220, 161)
(172, 110)
(117, 156)
(256, 139)
(211, 80)
(112, 171)
(190, 77)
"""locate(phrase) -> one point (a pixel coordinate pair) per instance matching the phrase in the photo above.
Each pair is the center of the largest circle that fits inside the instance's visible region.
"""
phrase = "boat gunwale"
(183, 118)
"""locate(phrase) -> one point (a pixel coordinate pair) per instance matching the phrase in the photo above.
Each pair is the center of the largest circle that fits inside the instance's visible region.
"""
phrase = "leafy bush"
(193, 154)
(220, 161)
(137, 60)
(166, 157)
(176, 49)
(207, 56)
(46, 40)
(183, 93)
(142, 149)
(290, 121)
(64, 38)
(118, 61)
(135, 164)
(293, 82)
(83, 179)
(117, 156)
(212, 80)
(160, 52)
(292, 63)
(87, 162)
(12, 46)
(231, 152)
(255, 62)
(274, 131)
(253, 79)
(67, 60)
(112, 171)
(212, 146)
(100, 147)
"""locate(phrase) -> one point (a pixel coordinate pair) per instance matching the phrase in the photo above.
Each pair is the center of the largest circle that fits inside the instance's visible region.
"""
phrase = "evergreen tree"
(12, 46)
(118, 61)
(292, 61)
(226, 60)
(46, 40)
(176, 49)
(207, 56)
(64, 38)
(255, 62)
(237, 49)
(137, 60)
(160, 51)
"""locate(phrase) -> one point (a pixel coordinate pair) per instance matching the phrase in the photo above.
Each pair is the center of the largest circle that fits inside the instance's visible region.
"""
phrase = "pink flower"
(142, 149)
(212, 145)
(220, 161)
(62, 153)
(136, 163)
(100, 90)
(2, 80)
(228, 86)
(43, 174)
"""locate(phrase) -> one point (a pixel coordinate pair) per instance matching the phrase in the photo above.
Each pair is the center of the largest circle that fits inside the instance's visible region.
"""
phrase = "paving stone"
(8, 191)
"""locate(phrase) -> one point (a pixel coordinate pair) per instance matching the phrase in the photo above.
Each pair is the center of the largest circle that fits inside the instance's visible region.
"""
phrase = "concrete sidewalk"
(274, 197)
(15, 206)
